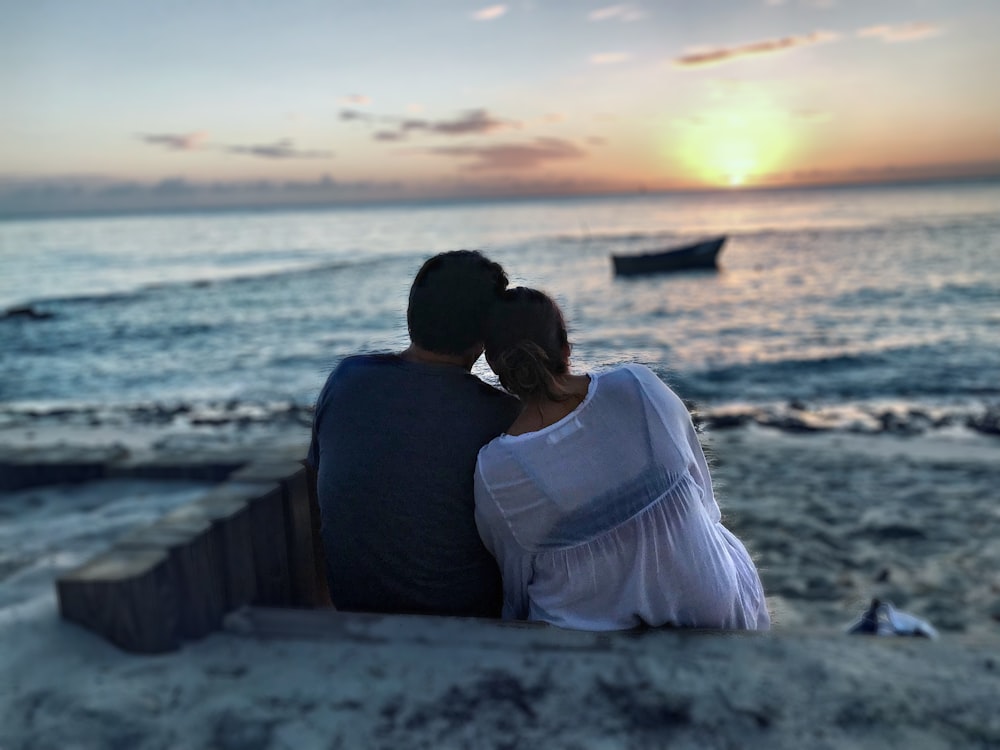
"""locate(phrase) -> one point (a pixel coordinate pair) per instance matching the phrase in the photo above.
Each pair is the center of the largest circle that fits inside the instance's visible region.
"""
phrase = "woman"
(597, 501)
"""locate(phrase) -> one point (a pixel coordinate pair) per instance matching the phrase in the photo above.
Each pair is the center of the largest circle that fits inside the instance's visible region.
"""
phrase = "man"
(394, 446)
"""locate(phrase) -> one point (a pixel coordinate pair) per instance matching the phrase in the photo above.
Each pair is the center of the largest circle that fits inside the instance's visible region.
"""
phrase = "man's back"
(394, 447)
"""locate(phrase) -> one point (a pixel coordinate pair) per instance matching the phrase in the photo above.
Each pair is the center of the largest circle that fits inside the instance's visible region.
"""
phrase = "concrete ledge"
(454, 682)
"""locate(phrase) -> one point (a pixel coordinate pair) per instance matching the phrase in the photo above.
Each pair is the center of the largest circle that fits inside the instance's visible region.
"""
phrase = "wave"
(794, 416)
(52, 306)
(909, 372)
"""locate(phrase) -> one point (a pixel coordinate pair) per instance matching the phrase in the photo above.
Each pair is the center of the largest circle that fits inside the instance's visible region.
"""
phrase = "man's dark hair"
(450, 300)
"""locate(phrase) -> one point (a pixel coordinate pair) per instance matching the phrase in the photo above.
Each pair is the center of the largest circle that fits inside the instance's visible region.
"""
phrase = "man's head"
(450, 301)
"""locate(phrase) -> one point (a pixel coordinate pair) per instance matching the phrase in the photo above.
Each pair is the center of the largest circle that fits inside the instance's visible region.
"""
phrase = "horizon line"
(555, 195)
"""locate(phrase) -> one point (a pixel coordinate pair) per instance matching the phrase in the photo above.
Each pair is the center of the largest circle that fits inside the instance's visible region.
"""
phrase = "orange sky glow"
(122, 104)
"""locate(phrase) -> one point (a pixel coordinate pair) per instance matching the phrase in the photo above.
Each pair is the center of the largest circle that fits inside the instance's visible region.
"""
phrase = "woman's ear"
(566, 349)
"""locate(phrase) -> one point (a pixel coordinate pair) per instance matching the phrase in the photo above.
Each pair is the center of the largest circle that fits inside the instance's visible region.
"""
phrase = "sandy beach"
(832, 519)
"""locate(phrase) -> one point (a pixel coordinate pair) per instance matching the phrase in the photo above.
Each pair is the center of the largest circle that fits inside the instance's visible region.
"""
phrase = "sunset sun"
(733, 148)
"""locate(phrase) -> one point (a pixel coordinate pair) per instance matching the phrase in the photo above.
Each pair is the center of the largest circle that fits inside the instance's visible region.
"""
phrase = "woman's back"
(607, 520)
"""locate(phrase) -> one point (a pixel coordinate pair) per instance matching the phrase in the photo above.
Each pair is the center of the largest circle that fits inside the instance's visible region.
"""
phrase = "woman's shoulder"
(631, 372)
(651, 385)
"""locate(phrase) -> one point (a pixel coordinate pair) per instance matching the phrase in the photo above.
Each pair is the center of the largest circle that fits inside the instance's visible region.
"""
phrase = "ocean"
(854, 308)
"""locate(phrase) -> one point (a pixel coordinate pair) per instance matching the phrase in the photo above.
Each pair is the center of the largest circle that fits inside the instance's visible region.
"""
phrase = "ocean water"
(835, 306)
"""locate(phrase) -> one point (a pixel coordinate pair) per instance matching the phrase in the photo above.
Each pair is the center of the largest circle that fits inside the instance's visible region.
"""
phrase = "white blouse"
(606, 520)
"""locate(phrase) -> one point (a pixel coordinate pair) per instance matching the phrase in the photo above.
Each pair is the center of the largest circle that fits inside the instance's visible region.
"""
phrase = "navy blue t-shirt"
(394, 446)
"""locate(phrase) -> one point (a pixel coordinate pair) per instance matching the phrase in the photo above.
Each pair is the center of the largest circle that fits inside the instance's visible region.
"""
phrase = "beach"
(841, 365)
(831, 519)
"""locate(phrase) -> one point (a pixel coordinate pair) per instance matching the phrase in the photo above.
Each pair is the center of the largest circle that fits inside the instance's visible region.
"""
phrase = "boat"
(686, 257)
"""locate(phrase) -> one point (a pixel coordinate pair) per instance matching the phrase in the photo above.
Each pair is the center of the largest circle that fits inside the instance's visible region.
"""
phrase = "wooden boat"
(699, 255)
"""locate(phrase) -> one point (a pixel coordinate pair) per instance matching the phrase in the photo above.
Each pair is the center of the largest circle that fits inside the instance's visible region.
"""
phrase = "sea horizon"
(376, 204)
(851, 302)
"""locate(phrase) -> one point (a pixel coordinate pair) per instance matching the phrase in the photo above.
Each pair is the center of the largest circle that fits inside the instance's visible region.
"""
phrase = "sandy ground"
(831, 519)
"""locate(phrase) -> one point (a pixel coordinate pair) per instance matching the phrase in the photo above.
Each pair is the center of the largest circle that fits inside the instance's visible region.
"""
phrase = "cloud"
(513, 155)
(283, 149)
(176, 142)
(353, 114)
(609, 58)
(625, 13)
(470, 122)
(907, 32)
(721, 55)
(359, 99)
(490, 13)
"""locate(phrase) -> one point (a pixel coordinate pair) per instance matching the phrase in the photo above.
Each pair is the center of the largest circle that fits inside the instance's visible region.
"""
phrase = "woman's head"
(526, 344)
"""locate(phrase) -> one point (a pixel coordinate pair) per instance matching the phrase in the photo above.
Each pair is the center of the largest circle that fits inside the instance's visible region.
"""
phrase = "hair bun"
(525, 368)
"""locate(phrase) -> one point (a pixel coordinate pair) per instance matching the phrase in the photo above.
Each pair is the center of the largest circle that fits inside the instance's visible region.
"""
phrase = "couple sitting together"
(581, 500)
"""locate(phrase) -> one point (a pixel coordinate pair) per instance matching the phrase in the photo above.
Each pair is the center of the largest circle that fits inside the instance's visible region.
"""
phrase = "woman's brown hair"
(527, 344)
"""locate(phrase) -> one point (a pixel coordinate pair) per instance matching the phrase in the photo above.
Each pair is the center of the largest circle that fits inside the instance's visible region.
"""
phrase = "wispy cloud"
(490, 13)
(625, 13)
(283, 149)
(353, 114)
(907, 32)
(176, 142)
(721, 55)
(513, 155)
(470, 122)
(609, 58)
(359, 100)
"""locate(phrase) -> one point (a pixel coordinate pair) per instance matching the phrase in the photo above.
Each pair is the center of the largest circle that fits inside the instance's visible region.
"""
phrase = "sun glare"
(732, 149)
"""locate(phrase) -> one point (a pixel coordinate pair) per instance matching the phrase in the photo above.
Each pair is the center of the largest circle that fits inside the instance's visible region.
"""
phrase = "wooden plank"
(300, 540)
(321, 590)
(196, 569)
(227, 508)
(270, 547)
(173, 469)
(127, 596)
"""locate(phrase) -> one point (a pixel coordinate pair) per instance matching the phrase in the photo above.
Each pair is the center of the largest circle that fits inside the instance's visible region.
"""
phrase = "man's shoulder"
(362, 361)
(362, 365)
(496, 398)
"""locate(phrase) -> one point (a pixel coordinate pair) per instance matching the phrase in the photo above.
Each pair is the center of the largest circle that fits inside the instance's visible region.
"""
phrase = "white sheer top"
(606, 520)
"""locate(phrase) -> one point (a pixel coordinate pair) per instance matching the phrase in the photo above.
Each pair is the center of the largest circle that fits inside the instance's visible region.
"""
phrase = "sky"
(118, 104)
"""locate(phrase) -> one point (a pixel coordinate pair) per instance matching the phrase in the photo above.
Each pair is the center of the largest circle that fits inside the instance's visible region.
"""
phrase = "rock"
(26, 312)
(988, 422)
